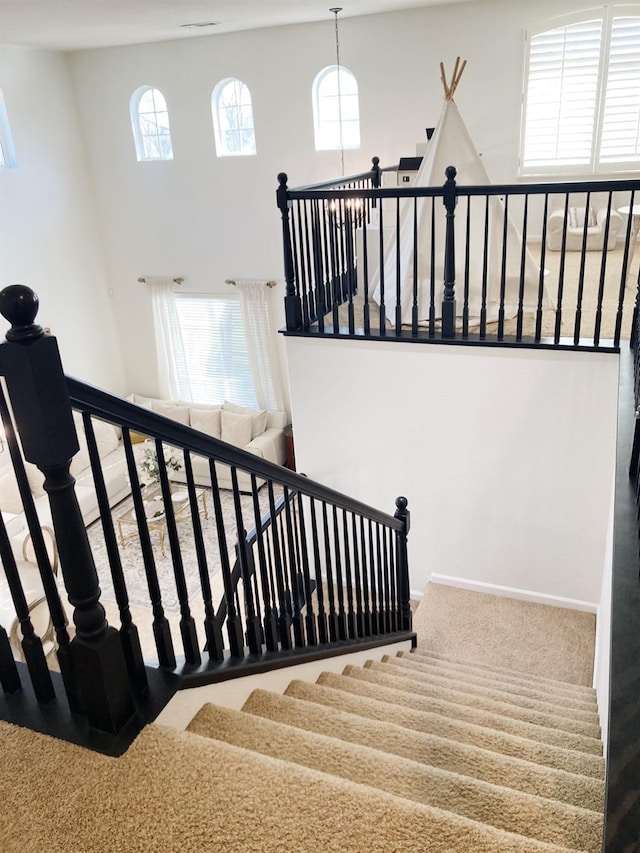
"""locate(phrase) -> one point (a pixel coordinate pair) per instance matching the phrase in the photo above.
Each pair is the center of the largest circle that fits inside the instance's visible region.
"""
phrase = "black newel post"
(404, 595)
(37, 388)
(449, 299)
(292, 303)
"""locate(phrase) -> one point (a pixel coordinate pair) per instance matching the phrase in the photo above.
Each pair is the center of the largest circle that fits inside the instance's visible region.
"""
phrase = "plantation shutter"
(216, 365)
(621, 121)
(562, 95)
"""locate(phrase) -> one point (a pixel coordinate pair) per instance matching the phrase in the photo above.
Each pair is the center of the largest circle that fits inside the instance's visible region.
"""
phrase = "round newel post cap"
(19, 305)
(451, 173)
(283, 178)
(401, 504)
(375, 161)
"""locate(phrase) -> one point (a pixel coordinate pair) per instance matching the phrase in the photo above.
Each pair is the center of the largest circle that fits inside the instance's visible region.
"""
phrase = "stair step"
(446, 754)
(548, 729)
(505, 672)
(513, 811)
(485, 697)
(410, 662)
(517, 746)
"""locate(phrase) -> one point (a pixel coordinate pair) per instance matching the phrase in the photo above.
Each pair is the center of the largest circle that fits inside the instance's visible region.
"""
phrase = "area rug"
(132, 559)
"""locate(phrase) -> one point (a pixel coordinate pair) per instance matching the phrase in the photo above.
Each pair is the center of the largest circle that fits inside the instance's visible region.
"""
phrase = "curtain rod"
(233, 281)
(177, 280)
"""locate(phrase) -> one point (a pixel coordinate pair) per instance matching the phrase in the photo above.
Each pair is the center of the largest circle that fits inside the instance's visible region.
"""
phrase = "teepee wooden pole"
(443, 77)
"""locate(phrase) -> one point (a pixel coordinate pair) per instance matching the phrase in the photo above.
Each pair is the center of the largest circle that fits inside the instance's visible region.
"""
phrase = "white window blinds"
(562, 95)
(216, 360)
(621, 121)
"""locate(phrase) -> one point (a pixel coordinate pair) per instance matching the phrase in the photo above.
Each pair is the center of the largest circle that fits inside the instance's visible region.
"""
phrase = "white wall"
(210, 219)
(49, 237)
(506, 456)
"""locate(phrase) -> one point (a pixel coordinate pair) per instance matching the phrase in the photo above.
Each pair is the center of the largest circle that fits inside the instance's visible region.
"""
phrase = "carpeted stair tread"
(409, 662)
(423, 695)
(513, 811)
(451, 755)
(180, 793)
(516, 700)
(560, 757)
(505, 671)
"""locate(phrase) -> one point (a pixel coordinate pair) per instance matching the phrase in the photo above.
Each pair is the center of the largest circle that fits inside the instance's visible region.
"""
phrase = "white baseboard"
(510, 592)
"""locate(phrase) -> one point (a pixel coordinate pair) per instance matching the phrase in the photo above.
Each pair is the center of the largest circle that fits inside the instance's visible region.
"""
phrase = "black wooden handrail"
(124, 413)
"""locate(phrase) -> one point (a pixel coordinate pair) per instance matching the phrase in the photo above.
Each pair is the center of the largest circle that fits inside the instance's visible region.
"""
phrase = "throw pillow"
(236, 428)
(576, 217)
(208, 421)
(259, 418)
(176, 413)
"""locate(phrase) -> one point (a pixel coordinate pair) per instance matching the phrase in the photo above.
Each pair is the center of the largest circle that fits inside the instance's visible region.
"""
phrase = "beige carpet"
(534, 638)
(568, 282)
(409, 753)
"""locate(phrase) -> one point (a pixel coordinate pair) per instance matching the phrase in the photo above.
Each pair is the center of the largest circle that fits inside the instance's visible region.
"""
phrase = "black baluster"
(9, 676)
(523, 263)
(342, 619)
(380, 584)
(310, 617)
(351, 620)
(366, 617)
(449, 299)
(161, 628)
(309, 291)
(382, 316)
(320, 296)
(56, 610)
(398, 273)
(298, 265)
(386, 580)
(323, 635)
(563, 252)
(394, 610)
(485, 272)
(128, 631)
(334, 282)
(467, 268)
(284, 619)
(603, 272)
(543, 253)
(292, 305)
(356, 574)
(31, 642)
(254, 628)
(366, 315)
(583, 260)
(40, 401)
(503, 268)
(350, 263)
(375, 615)
(334, 627)
(414, 306)
(270, 624)
(234, 622)
(623, 283)
(298, 626)
(212, 628)
(432, 273)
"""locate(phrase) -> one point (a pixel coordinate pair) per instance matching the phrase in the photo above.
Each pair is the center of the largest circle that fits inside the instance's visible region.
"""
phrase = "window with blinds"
(216, 365)
(582, 97)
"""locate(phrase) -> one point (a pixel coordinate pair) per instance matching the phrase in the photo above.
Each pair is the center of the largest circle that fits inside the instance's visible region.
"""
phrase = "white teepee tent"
(451, 145)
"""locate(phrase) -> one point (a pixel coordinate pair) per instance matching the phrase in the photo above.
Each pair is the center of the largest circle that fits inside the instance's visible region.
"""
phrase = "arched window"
(150, 123)
(336, 112)
(582, 95)
(233, 119)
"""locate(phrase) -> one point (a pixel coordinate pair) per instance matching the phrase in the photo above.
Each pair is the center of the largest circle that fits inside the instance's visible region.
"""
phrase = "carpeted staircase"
(506, 761)
(417, 752)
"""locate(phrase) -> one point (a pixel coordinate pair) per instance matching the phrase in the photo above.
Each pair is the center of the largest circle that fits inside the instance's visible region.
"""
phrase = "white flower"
(149, 469)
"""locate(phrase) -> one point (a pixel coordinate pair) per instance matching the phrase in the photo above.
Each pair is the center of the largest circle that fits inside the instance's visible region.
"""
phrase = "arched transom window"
(336, 111)
(233, 119)
(150, 124)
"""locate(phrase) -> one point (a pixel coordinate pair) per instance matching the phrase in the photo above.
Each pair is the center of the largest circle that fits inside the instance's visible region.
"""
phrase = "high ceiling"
(79, 24)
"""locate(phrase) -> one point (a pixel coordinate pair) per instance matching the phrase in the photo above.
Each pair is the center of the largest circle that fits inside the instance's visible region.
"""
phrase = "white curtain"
(262, 345)
(169, 346)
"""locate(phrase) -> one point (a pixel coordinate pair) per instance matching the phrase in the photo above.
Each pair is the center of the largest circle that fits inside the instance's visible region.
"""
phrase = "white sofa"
(257, 432)
(260, 433)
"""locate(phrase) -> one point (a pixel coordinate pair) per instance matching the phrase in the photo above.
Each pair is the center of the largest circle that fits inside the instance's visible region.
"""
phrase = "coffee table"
(155, 513)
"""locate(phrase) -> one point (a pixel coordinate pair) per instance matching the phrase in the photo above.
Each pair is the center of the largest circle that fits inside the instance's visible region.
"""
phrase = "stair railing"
(455, 262)
(319, 573)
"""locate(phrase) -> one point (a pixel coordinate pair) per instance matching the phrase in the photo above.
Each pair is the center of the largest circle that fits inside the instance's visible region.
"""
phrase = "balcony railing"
(536, 264)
